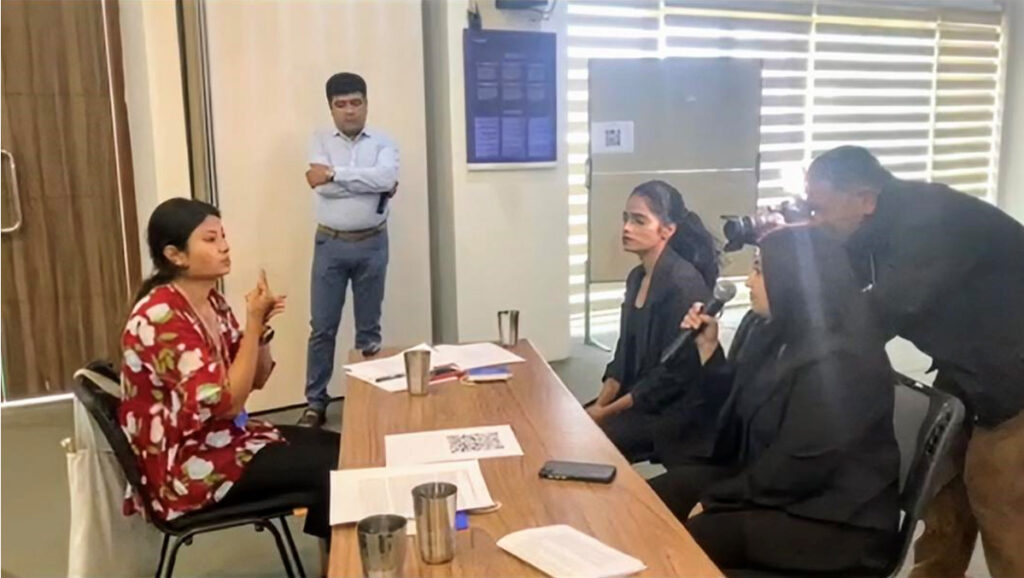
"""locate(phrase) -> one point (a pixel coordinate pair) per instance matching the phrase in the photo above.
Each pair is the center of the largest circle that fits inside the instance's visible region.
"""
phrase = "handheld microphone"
(723, 293)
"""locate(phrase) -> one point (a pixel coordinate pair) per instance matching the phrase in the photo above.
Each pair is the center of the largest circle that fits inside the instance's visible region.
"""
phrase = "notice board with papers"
(511, 98)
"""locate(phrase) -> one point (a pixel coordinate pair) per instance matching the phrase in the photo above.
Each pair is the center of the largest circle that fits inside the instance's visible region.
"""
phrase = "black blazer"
(686, 432)
(675, 286)
(810, 434)
(946, 272)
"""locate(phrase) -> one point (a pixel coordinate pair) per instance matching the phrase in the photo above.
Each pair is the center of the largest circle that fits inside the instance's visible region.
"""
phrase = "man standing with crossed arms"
(353, 171)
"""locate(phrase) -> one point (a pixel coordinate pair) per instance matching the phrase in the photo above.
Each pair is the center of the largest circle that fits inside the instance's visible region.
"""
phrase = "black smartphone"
(578, 471)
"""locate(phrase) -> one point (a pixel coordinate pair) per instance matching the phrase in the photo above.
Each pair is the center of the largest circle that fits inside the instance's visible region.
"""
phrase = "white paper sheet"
(356, 494)
(389, 385)
(476, 355)
(463, 357)
(374, 370)
(563, 551)
(451, 445)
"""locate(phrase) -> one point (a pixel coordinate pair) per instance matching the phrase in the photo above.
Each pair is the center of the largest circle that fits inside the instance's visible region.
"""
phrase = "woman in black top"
(678, 266)
(807, 466)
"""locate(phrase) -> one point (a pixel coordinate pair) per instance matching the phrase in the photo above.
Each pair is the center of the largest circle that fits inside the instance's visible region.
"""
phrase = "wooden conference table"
(550, 424)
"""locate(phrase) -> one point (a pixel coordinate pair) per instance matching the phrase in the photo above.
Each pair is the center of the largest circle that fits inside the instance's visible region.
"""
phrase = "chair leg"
(291, 546)
(163, 555)
(269, 525)
(174, 554)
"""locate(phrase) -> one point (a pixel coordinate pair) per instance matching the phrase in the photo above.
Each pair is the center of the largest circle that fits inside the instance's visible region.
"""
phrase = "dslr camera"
(747, 230)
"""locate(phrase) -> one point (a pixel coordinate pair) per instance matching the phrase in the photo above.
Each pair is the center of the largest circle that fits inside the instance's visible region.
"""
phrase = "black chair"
(102, 407)
(926, 421)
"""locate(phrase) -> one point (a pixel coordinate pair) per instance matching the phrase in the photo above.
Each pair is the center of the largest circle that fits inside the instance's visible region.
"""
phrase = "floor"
(35, 508)
(34, 501)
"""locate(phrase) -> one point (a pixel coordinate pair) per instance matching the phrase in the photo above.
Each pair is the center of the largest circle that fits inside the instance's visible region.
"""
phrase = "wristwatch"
(330, 174)
(267, 335)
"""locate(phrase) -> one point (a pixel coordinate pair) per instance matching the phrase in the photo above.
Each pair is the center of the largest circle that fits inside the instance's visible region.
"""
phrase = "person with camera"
(678, 265)
(945, 271)
(803, 477)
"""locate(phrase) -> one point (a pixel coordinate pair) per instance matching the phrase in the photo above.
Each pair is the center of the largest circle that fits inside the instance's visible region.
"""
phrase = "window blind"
(920, 87)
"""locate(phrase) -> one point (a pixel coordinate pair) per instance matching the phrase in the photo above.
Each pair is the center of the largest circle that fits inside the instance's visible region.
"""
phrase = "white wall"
(155, 103)
(499, 238)
(509, 228)
(268, 65)
(1011, 159)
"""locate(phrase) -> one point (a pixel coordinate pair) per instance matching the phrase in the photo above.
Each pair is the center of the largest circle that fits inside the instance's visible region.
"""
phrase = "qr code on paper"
(613, 137)
(478, 442)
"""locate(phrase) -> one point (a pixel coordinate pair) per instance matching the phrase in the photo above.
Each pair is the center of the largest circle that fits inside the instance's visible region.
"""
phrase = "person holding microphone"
(804, 472)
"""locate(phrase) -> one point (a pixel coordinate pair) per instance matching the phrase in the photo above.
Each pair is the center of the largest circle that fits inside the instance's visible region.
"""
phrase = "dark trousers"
(768, 539)
(773, 540)
(681, 488)
(303, 464)
(632, 434)
(335, 263)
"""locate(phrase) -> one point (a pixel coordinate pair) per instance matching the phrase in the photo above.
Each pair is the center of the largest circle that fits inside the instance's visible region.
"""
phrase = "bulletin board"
(511, 98)
(695, 124)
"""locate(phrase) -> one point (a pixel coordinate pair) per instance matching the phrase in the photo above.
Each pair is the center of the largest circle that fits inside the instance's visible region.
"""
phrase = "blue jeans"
(335, 263)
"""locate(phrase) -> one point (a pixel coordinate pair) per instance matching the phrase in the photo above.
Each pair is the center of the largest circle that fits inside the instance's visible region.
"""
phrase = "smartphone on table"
(578, 471)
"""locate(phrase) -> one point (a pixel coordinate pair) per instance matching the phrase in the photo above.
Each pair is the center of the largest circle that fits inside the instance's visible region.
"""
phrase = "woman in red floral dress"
(187, 371)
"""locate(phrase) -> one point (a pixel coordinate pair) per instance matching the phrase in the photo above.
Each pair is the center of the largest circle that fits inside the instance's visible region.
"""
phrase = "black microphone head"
(724, 291)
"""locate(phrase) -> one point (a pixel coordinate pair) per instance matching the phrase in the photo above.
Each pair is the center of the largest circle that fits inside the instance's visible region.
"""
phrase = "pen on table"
(433, 373)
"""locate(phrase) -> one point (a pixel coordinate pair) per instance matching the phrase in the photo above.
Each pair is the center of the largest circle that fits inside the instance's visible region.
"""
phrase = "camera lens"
(739, 231)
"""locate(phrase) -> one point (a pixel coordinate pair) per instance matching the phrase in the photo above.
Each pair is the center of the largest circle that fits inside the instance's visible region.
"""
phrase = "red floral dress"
(176, 406)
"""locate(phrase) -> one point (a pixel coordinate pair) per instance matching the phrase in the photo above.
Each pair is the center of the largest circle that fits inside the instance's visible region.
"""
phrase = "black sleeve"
(824, 415)
(666, 382)
(935, 251)
(716, 382)
(614, 367)
(718, 373)
(659, 386)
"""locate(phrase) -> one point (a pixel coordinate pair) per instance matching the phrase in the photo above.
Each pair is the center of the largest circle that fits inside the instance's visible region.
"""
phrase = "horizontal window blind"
(920, 87)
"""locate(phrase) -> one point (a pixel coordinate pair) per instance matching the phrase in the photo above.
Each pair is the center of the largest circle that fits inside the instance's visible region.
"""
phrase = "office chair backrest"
(102, 407)
(910, 415)
(925, 421)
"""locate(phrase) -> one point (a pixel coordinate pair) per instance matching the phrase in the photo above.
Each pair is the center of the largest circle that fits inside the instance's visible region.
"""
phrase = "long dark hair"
(691, 241)
(818, 316)
(816, 308)
(171, 224)
(813, 293)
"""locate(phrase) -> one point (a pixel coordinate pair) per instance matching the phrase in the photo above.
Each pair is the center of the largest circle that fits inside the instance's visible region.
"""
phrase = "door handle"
(15, 192)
